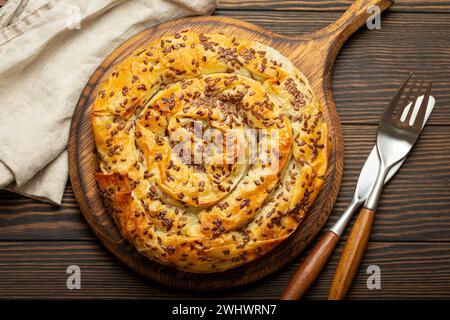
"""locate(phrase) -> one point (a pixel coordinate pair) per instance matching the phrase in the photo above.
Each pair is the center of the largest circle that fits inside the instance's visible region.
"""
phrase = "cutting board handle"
(334, 35)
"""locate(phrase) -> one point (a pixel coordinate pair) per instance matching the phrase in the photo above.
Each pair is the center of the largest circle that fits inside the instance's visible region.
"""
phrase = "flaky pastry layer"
(212, 215)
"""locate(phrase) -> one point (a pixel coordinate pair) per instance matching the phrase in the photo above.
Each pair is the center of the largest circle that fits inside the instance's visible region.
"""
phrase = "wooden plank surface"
(411, 238)
(373, 63)
(38, 269)
(331, 5)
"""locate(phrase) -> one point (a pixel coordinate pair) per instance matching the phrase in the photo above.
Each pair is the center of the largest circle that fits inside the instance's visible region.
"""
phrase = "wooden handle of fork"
(311, 267)
(352, 255)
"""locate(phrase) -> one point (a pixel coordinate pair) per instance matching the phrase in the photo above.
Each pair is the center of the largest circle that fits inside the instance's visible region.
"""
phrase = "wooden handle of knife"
(352, 255)
(311, 267)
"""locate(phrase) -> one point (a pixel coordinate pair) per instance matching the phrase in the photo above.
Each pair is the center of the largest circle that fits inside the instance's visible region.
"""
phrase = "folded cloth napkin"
(48, 50)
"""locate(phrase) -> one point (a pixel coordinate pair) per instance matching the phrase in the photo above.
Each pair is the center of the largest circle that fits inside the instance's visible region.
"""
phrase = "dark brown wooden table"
(411, 237)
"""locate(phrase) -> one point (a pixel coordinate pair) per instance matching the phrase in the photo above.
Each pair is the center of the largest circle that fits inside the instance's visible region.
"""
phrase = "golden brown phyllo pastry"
(211, 149)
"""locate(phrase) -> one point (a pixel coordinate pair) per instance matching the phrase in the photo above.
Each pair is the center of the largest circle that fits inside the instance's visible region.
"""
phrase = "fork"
(395, 139)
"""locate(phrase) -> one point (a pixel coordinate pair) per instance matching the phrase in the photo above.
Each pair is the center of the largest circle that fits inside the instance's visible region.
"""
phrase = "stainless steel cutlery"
(398, 130)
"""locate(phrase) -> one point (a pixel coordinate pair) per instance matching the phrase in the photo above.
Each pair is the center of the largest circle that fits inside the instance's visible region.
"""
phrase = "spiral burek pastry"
(210, 149)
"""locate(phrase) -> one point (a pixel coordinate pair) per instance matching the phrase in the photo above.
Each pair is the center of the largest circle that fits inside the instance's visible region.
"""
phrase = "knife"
(315, 261)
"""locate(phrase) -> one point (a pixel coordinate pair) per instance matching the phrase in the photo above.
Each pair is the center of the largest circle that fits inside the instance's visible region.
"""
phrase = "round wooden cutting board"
(313, 54)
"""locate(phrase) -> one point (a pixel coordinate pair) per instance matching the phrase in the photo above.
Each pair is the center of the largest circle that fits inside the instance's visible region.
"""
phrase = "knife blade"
(369, 173)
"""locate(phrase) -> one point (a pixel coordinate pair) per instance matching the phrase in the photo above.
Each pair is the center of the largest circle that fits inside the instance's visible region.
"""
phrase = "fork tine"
(395, 99)
(413, 102)
(418, 122)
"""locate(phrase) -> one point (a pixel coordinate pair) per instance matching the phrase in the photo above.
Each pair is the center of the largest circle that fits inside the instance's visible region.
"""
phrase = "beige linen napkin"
(48, 50)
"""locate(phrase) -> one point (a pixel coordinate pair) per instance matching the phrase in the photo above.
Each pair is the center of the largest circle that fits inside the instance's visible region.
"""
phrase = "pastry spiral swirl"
(210, 149)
